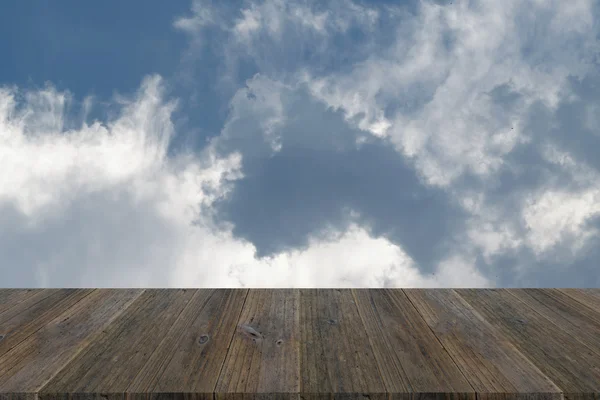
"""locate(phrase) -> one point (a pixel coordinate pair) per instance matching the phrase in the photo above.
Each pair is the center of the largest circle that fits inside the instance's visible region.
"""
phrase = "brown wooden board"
(336, 356)
(301, 344)
(11, 297)
(30, 365)
(115, 357)
(588, 297)
(263, 357)
(191, 356)
(410, 357)
(33, 312)
(569, 364)
(492, 364)
(566, 313)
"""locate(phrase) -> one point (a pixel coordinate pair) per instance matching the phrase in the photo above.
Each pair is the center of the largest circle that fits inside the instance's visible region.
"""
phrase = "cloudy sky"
(278, 143)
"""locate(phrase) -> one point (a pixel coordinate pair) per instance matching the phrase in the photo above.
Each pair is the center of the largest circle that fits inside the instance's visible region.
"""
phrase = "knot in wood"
(1, 336)
(251, 332)
(279, 342)
(332, 322)
(203, 339)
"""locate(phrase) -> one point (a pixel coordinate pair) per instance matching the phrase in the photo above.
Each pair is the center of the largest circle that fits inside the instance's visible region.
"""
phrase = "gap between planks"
(214, 394)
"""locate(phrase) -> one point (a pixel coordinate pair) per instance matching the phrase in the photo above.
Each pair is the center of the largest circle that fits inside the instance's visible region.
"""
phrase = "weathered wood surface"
(300, 344)
(571, 365)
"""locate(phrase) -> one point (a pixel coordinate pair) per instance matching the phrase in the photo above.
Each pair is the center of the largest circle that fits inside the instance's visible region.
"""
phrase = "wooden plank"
(264, 354)
(336, 356)
(35, 311)
(588, 297)
(491, 363)
(11, 297)
(569, 364)
(299, 343)
(410, 357)
(566, 313)
(193, 352)
(28, 366)
(115, 357)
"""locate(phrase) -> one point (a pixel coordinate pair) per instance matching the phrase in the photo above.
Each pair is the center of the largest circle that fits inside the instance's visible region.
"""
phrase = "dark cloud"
(297, 192)
(521, 268)
(525, 173)
(571, 133)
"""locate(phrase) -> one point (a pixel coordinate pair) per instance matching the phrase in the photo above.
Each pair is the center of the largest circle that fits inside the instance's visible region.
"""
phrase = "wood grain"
(33, 312)
(410, 357)
(588, 297)
(566, 313)
(264, 354)
(301, 344)
(336, 356)
(121, 350)
(11, 297)
(28, 366)
(569, 364)
(491, 363)
(190, 358)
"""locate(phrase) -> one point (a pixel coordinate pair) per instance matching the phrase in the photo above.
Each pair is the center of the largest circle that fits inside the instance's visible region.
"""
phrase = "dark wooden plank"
(114, 358)
(588, 297)
(11, 297)
(566, 313)
(32, 313)
(264, 354)
(490, 362)
(336, 356)
(570, 365)
(410, 357)
(28, 366)
(193, 352)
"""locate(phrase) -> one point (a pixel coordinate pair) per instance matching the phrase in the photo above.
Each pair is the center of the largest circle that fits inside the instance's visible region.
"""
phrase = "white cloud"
(429, 91)
(275, 16)
(341, 259)
(550, 216)
(457, 129)
(553, 215)
(250, 22)
(203, 15)
(104, 206)
(46, 166)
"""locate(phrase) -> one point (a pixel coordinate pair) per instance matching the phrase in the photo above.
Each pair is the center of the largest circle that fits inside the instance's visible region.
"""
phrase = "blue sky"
(300, 144)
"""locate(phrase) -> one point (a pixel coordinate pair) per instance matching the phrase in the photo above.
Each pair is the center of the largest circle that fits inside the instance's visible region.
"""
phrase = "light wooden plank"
(566, 313)
(32, 313)
(115, 357)
(491, 363)
(31, 364)
(336, 356)
(570, 365)
(264, 354)
(11, 297)
(191, 356)
(410, 357)
(588, 297)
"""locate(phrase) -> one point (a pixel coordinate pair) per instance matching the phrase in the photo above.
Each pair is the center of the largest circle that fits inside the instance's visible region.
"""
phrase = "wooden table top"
(300, 343)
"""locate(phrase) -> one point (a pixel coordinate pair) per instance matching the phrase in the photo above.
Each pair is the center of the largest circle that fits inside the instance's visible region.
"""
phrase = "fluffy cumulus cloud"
(478, 98)
(101, 204)
(419, 144)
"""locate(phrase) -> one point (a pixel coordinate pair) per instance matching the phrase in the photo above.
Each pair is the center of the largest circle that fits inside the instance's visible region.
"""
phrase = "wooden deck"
(363, 344)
